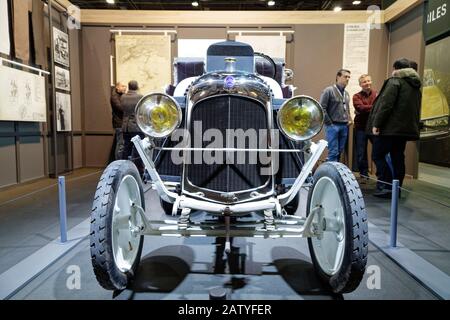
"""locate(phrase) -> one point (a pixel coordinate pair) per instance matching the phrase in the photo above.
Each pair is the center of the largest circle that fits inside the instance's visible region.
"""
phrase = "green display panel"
(437, 19)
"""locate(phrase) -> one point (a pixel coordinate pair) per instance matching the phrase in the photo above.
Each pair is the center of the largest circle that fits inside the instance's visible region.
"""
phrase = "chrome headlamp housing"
(158, 115)
(300, 118)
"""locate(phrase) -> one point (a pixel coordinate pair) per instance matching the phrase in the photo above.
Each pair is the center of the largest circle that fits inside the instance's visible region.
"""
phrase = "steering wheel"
(270, 60)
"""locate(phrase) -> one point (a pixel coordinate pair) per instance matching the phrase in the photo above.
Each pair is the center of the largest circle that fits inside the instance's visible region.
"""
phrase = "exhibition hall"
(245, 151)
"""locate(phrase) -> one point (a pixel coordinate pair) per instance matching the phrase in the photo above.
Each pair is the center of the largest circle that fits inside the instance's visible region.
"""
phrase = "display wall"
(314, 54)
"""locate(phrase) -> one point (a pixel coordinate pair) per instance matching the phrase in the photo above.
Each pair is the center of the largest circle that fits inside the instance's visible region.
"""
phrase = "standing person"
(129, 126)
(117, 118)
(394, 120)
(335, 101)
(362, 102)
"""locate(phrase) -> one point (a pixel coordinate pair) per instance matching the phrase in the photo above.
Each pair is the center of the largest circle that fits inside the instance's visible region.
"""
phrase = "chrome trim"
(213, 85)
(138, 122)
(281, 127)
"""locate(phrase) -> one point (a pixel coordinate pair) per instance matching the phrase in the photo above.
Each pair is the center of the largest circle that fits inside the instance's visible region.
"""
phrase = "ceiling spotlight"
(271, 3)
(195, 3)
(337, 9)
(110, 1)
(355, 3)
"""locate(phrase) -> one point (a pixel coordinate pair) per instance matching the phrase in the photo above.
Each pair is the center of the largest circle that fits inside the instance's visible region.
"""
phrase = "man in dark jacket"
(117, 116)
(394, 120)
(129, 125)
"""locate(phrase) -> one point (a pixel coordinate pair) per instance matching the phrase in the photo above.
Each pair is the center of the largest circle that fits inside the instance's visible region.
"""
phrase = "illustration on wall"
(4, 28)
(23, 96)
(144, 58)
(62, 79)
(63, 112)
(61, 47)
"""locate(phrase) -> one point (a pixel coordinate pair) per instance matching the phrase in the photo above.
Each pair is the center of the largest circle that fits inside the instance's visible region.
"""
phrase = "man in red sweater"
(362, 102)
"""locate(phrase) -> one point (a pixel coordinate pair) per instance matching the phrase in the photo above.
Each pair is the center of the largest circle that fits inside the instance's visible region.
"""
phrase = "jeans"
(361, 151)
(336, 135)
(395, 148)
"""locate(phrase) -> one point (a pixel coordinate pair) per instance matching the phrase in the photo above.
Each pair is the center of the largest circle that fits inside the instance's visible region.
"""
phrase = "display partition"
(61, 155)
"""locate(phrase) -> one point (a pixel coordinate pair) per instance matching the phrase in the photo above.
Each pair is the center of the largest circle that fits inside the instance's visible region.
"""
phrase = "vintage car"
(234, 168)
(435, 112)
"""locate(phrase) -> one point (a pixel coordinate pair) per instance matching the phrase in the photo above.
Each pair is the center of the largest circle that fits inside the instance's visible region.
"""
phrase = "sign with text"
(437, 18)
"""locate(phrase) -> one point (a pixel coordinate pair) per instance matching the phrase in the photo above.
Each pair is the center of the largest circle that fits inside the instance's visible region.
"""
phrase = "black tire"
(353, 266)
(102, 257)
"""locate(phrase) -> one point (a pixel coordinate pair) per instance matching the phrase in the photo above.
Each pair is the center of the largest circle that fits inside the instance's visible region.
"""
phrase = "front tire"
(339, 255)
(115, 249)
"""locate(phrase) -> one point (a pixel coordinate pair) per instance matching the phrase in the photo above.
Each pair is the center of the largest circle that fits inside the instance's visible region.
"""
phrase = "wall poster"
(23, 96)
(146, 59)
(356, 56)
(4, 28)
(195, 48)
(273, 46)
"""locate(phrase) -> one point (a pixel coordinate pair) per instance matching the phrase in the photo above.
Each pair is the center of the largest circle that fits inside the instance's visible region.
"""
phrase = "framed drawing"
(62, 79)
(63, 112)
(61, 47)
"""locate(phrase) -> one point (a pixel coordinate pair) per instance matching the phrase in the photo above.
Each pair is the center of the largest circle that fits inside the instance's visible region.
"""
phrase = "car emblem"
(229, 82)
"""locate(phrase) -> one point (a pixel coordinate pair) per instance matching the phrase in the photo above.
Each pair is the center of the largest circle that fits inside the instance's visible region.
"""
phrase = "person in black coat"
(129, 126)
(394, 120)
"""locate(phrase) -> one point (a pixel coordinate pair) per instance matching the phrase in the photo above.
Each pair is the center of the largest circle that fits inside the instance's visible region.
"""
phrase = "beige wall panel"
(96, 78)
(97, 150)
(31, 158)
(407, 38)
(202, 33)
(8, 162)
(77, 152)
(378, 56)
(75, 80)
(318, 55)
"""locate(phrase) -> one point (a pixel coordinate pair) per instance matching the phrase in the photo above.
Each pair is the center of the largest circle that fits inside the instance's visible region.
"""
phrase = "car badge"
(230, 82)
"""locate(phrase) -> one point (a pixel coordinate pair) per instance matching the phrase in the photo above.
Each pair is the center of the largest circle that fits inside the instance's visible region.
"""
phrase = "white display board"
(146, 59)
(63, 112)
(356, 55)
(61, 47)
(22, 96)
(195, 48)
(273, 46)
(4, 28)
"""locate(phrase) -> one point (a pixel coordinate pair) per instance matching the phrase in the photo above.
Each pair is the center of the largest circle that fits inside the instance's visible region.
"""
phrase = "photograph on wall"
(146, 59)
(4, 28)
(61, 47)
(23, 96)
(63, 112)
(62, 79)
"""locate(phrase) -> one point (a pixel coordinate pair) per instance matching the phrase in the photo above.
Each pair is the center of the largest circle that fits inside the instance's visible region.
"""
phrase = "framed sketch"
(61, 47)
(63, 112)
(62, 79)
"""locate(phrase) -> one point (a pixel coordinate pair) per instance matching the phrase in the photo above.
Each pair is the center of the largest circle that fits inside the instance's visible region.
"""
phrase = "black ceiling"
(225, 4)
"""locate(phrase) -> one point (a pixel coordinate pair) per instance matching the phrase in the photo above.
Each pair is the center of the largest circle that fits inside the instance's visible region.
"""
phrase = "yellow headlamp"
(300, 118)
(158, 115)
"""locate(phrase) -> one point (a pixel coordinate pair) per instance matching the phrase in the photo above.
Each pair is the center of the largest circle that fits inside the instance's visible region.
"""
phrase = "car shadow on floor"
(164, 269)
